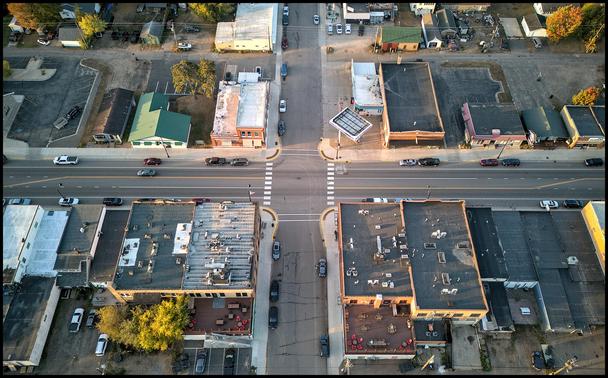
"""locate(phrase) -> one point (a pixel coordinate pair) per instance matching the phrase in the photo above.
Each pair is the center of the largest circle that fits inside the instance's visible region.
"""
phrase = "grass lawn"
(202, 111)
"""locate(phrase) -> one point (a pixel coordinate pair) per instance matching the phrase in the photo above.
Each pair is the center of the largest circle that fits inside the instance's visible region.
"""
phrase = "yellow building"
(593, 213)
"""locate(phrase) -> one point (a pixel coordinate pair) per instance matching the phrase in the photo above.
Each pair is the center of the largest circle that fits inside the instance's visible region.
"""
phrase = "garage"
(70, 37)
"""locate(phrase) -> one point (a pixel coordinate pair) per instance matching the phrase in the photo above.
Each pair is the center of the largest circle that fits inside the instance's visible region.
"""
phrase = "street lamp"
(60, 185)
(428, 192)
(250, 192)
(503, 148)
(165, 147)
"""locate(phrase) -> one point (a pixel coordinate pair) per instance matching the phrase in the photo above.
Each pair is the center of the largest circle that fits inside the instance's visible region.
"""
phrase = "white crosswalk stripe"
(267, 197)
(267, 193)
(330, 183)
(269, 164)
(266, 202)
(268, 184)
(330, 164)
(330, 203)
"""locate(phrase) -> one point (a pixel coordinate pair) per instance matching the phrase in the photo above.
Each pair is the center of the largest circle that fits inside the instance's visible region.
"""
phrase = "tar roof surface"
(499, 304)
(117, 106)
(555, 299)
(163, 219)
(410, 97)
(489, 254)
(487, 117)
(543, 240)
(73, 239)
(586, 123)
(421, 220)
(423, 335)
(544, 122)
(22, 321)
(510, 230)
(109, 245)
(361, 228)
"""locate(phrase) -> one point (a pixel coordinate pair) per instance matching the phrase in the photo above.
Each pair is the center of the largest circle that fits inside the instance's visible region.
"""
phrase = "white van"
(330, 29)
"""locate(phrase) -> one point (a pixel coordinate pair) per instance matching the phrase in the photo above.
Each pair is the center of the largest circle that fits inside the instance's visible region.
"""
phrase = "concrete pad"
(511, 26)
(32, 72)
(465, 348)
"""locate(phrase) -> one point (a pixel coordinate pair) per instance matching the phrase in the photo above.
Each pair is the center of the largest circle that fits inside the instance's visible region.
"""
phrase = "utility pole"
(428, 192)
(250, 192)
(165, 147)
(568, 365)
(503, 148)
(60, 185)
(376, 39)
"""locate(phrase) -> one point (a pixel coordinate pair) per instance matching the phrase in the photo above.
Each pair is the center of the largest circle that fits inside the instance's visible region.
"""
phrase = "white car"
(76, 320)
(68, 201)
(102, 344)
(184, 46)
(282, 106)
(347, 29)
(43, 41)
(339, 28)
(316, 19)
(537, 43)
(65, 160)
(330, 28)
(286, 10)
(551, 204)
(408, 162)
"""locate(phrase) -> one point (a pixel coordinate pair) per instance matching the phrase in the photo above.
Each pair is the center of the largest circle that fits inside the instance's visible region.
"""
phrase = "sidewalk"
(352, 153)
(334, 307)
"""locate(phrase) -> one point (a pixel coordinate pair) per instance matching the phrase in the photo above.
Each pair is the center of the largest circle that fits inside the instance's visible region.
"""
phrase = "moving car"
(322, 268)
(92, 318)
(282, 128)
(199, 365)
(316, 19)
(68, 201)
(347, 29)
(488, 162)
(324, 341)
(282, 106)
(537, 43)
(146, 172)
(432, 162)
(339, 28)
(511, 162)
(284, 70)
(274, 291)
(19, 201)
(102, 344)
(112, 201)
(43, 41)
(273, 317)
(215, 161)
(65, 160)
(408, 162)
(573, 204)
(276, 250)
(551, 204)
(229, 362)
(152, 161)
(76, 320)
(594, 162)
(239, 162)
(185, 46)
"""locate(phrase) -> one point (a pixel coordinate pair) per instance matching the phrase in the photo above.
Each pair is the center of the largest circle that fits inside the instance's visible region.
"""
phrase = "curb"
(275, 219)
(322, 153)
(275, 155)
(326, 212)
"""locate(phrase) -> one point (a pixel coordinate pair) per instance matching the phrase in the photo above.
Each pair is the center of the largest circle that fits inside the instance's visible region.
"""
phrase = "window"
(242, 134)
(207, 295)
(353, 301)
(157, 143)
(474, 315)
(371, 302)
(147, 143)
(458, 315)
(198, 295)
(248, 133)
(238, 294)
(244, 294)
(422, 314)
(256, 134)
(178, 143)
(191, 295)
(439, 314)
(403, 301)
(222, 295)
(136, 143)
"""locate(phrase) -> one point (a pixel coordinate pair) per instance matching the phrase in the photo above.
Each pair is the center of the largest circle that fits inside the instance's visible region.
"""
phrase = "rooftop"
(533, 21)
(226, 109)
(490, 258)
(371, 259)
(254, 20)
(599, 208)
(152, 28)
(430, 332)
(80, 230)
(490, 117)
(350, 123)
(410, 97)
(148, 260)
(240, 105)
(366, 86)
(444, 270)
(115, 109)
(401, 34)
(223, 246)
(109, 246)
(69, 34)
(510, 229)
(589, 120)
(16, 223)
(445, 18)
(544, 122)
(499, 314)
(230, 316)
(153, 119)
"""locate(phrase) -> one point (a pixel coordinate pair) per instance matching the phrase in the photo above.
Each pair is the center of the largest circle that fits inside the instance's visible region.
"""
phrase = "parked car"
(594, 162)
(276, 250)
(488, 162)
(184, 46)
(229, 358)
(286, 10)
(347, 29)
(68, 201)
(285, 20)
(112, 201)
(274, 291)
(273, 317)
(76, 320)
(65, 160)
(19, 201)
(92, 318)
(537, 43)
(551, 204)
(324, 341)
(511, 162)
(538, 361)
(199, 365)
(60, 123)
(284, 71)
(282, 128)
(200, 201)
(102, 344)
(322, 268)
(43, 41)
(428, 162)
(258, 70)
(361, 30)
(284, 43)
(152, 161)
(191, 29)
(573, 204)
(408, 162)
(330, 28)
(146, 173)
(72, 113)
(239, 162)
(282, 106)
(316, 19)
(339, 28)
(215, 161)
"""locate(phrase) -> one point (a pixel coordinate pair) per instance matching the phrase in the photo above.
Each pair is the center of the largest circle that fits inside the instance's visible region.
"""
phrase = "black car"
(273, 317)
(285, 20)
(191, 29)
(511, 162)
(73, 112)
(538, 362)
(282, 128)
(134, 38)
(274, 291)
(322, 268)
(429, 162)
(594, 162)
(239, 162)
(324, 340)
(229, 362)
(112, 201)
(92, 318)
(573, 204)
(215, 161)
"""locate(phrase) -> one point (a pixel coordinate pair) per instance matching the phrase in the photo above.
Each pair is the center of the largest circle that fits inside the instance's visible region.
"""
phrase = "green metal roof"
(545, 122)
(401, 34)
(153, 120)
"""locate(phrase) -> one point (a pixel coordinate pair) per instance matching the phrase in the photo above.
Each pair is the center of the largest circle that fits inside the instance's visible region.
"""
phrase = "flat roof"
(252, 105)
(589, 120)
(24, 316)
(366, 85)
(599, 208)
(430, 331)
(518, 259)
(544, 122)
(153, 268)
(377, 272)
(255, 20)
(410, 97)
(350, 123)
(455, 283)
(489, 117)
(533, 21)
(489, 254)
(222, 247)
(115, 110)
(555, 299)
(226, 108)
(545, 248)
(16, 223)
(496, 293)
(109, 246)
(80, 230)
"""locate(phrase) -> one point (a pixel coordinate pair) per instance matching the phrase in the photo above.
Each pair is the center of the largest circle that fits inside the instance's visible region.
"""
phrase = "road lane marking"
(330, 173)
(266, 197)
(412, 178)
(35, 182)
(330, 197)
(269, 164)
(312, 215)
(330, 192)
(330, 164)
(330, 203)
(268, 183)
(267, 187)
(267, 193)
(330, 168)
(269, 168)
(266, 202)
(299, 220)
(330, 188)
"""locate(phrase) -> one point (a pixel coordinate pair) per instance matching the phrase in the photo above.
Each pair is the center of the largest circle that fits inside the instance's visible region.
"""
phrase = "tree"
(206, 71)
(33, 15)
(162, 324)
(6, 69)
(112, 320)
(593, 25)
(91, 24)
(586, 96)
(213, 12)
(193, 79)
(564, 22)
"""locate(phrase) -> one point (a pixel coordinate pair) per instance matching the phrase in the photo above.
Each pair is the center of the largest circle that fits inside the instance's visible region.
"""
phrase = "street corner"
(275, 155)
(275, 219)
(325, 212)
(322, 147)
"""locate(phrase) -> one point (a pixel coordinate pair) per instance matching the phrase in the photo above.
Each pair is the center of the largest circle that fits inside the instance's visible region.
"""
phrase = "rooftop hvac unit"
(443, 235)
(166, 236)
(463, 244)
(178, 261)
(140, 264)
(430, 246)
(441, 257)
(445, 291)
(453, 291)
(151, 266)
(403, 246)
(445, 277)
(377, 227)
(183, 227)
(572, 260)
(227, 249)
(384, 283)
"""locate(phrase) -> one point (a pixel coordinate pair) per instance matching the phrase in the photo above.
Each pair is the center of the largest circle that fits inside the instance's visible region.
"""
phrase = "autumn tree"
(213, 12)
(33, 15)
(6, 69)
(194, 79)
(587, 96)
(564, 22)
(593, 25)
(91, 24)
(206, 71)
(112, 320)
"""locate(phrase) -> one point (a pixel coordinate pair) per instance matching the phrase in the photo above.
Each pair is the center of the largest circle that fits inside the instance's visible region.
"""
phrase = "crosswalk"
(330, 183)
(268, 184)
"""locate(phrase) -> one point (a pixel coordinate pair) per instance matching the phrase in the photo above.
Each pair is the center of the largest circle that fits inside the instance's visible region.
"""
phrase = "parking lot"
(214, 365)
(45, 101)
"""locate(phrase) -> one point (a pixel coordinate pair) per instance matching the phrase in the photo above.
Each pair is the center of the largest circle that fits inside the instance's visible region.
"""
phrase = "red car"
(152, 161)
(488, 162)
